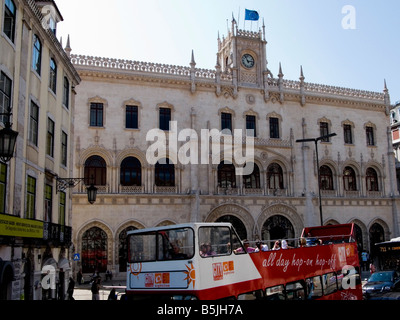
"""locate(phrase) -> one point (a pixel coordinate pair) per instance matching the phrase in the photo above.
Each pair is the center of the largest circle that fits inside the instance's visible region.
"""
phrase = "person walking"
(96, 289)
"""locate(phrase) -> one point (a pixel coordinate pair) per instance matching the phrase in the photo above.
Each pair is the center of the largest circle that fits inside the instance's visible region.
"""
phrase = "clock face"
(248, 60)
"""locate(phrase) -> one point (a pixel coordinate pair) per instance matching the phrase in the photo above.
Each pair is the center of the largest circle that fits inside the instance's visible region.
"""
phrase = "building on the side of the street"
(120, 102)
(395, 123)
(37, 86)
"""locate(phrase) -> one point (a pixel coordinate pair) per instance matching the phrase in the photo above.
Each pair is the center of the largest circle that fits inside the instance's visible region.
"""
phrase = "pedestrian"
(79, 277)
(364, 258)
(70, 290)
(96, 289)
(112, 295)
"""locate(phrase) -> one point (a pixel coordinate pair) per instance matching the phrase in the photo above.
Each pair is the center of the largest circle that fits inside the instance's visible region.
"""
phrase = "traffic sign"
(77, 257)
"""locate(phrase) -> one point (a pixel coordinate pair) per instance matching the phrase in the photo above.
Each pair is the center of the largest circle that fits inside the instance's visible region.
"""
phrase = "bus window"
(275, 293)
(175, 244)
(214, 241)
(329, 283)
(254, 295)
(314, 288)
(142, 247)
(295, 291)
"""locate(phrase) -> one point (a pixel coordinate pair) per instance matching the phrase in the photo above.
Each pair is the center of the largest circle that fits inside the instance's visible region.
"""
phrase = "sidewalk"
(83, 292)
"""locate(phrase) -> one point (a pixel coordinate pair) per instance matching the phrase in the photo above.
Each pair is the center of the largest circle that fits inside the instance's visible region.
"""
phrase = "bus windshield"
(170, 244)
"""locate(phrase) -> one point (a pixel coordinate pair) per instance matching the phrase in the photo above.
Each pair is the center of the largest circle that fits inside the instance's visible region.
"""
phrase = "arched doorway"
(236, 223)
(376, 235)
(123, 248)
(277, 227)
(94, 250)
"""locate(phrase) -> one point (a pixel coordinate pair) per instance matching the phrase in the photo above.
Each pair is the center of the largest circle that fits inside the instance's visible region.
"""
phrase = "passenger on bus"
(246, 247)
(261, 247)
(210, 252)
(303, 242)
(176, 253)
(312, 241)
(277, 245)
(203, 250)
(285, 245)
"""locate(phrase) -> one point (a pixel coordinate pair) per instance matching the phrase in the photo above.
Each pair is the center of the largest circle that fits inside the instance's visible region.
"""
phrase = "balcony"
(40, 231)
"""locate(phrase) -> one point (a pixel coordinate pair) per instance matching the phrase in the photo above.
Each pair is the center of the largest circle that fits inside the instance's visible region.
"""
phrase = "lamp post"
(64, 183)
(315, 140)
(8, 138)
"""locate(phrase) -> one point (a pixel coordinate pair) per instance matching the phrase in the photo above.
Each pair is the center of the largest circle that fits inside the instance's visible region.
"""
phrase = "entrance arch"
(277, 227)
(94, 250)
(237, 215)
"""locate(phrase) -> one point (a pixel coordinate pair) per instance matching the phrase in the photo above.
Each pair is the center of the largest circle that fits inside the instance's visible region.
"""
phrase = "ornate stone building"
(120, 101)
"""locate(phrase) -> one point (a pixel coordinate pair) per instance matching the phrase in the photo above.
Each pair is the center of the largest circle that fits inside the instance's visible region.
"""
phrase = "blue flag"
(251, 15)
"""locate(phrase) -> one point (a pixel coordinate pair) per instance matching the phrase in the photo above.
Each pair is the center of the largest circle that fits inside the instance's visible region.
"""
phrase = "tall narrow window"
(53, 76)
(326, 182)
(251, 125)
(96, 171)
(64, 148)
(61, 219)
(348, 137)
(349, 179)
(9, 19)
(274, 128)
(50, 138)
(5, 96)
(165, 118)
(48, 203)
(164, 173)
(66, 93)
(37, 55)
(131, 117)
(252, 181)
(226, 121)
(370, 136)
(96, 114)
(3, 187)
(324, 130)
(131, 172)
(226, 175)
(34, 124)
(275, 176)
(30, 198)
(372, 180)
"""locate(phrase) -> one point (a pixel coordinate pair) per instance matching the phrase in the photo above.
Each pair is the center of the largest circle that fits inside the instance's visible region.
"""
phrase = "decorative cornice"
(90, 66)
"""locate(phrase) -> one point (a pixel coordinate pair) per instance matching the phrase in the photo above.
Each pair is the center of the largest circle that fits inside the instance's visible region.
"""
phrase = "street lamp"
(315, 140)
(8, 138)
(64, 183)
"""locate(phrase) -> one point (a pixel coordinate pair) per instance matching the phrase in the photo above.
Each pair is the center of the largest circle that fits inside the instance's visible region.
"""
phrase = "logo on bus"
(221, 269)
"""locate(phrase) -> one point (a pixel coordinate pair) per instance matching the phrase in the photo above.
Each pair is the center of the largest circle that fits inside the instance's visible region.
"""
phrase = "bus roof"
(182, 225)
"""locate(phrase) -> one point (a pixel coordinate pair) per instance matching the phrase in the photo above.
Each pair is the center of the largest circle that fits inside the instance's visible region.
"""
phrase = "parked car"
(380, 282)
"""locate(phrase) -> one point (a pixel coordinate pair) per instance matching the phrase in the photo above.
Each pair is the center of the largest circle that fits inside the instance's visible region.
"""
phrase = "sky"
(345, 43)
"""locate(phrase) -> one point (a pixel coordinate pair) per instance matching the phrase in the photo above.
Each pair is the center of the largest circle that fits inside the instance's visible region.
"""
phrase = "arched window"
(252, 181)
(376, 235)
(94, 250)
(236, 223)
(165, 173)
(349, 179)
(226, 175)
(372, 180)
(131, 172)
(275, 176)
(277, 227)
(326, 179)
(96, 171)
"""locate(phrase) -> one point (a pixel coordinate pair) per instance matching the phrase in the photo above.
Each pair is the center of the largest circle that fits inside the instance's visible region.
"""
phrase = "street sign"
(77, 257)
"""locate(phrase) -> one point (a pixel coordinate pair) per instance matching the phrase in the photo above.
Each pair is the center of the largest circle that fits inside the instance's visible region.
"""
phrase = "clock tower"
(243, 54)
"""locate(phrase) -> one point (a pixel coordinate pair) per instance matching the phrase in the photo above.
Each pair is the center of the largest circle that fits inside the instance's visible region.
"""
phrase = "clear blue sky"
(299, 32)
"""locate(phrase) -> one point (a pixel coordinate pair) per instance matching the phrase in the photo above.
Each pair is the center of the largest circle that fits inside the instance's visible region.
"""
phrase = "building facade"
(37, 86)
(119, 103)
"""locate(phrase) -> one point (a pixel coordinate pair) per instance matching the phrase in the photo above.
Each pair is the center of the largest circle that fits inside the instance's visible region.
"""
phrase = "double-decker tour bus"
(208, 261)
